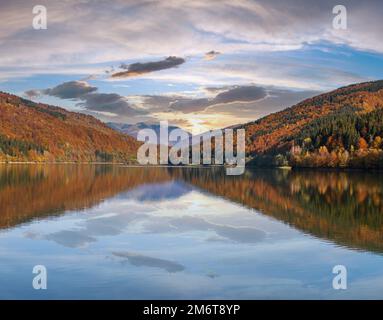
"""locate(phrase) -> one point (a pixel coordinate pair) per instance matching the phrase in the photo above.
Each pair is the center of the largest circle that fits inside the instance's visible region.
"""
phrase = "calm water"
(159, 233)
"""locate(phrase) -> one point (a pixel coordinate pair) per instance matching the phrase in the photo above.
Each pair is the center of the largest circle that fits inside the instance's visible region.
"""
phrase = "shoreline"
(123, 164)
(136, 165)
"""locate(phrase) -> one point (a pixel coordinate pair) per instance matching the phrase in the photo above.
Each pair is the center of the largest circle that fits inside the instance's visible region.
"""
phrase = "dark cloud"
(139, 68)
(234, 94)
(211, 55)
(276, 100)
(66, 90)
(216, 90)
(89, 98)
(32, 93)
(191, 105)
(159, 103)
(246, 101)
(70, 90)
(241, 94)
(109, 102)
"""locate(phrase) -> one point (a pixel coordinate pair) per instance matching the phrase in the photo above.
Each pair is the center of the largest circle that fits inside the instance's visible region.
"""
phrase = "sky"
(198, 64)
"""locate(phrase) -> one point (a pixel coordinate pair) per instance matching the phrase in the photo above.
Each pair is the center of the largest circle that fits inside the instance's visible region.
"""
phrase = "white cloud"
(99, 31)
(254, 39)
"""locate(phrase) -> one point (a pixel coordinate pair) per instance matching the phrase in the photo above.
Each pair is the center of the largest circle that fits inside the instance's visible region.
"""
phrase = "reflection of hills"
(34, 191)
(346, 208)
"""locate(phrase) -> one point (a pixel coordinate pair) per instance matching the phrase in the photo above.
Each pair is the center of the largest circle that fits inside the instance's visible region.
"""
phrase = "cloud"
(215, 90)
(158, 102)
(139, 68)
(211, 55)
(91, 32)
(197, 120)
(187, 105)
(66, 90)
(109, 102)
(276, 100)
(218, 107)
(31, 94)
(70, 90)
(242, 94)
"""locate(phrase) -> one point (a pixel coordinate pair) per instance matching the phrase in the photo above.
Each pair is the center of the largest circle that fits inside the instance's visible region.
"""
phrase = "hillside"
(32, 131)
(342, 128)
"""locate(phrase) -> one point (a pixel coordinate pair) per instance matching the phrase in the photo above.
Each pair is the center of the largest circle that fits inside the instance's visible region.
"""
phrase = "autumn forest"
(339, 129)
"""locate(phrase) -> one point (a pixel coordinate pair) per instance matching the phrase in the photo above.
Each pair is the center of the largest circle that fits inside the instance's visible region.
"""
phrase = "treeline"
(14, 147)
(52, 112)
(342, 139)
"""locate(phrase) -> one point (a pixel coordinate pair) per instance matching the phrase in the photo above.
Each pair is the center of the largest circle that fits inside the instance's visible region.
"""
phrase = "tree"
(377, 142)
(362, 144)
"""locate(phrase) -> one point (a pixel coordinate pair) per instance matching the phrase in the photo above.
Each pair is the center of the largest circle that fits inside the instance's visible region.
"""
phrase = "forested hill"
(32, 131)
(342, 128)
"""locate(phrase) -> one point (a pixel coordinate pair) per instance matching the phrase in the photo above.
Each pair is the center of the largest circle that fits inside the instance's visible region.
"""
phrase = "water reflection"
(141, 260)
(37, 191)
(188, 233)
(345, 207)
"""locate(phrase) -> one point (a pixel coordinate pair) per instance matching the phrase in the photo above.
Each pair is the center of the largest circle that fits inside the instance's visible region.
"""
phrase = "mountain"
(341, 128)
(32, 131)
(133, 129)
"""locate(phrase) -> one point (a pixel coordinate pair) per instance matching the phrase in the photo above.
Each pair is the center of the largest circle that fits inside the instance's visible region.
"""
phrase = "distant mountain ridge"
(32, 131)
(133, 129)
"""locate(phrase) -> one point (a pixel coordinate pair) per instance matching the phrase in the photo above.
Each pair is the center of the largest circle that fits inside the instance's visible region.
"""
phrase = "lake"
(116, 232)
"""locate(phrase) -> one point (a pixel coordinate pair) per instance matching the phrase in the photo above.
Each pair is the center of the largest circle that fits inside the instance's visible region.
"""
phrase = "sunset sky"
(198, 64)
